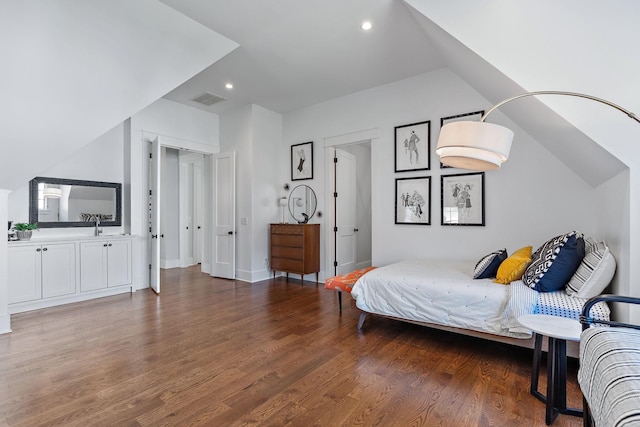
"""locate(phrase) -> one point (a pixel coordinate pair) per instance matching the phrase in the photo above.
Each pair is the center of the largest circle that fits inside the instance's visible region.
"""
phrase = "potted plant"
(24, 230)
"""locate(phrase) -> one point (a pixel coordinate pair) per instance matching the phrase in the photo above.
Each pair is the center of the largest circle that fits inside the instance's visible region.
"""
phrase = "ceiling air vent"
(208, 99)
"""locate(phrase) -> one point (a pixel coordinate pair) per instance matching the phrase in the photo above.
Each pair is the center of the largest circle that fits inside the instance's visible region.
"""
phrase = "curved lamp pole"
(485, 146)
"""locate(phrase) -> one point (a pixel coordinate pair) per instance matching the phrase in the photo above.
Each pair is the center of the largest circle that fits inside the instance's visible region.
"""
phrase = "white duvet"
(444, 293)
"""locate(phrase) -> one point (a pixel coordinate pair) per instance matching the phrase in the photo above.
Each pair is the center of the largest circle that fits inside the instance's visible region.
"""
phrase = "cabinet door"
(24, 273)
(119, 265)
(93, 265)
(58, 269)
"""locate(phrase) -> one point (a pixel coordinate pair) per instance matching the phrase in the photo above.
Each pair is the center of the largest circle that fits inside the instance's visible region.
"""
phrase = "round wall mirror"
(302, 203)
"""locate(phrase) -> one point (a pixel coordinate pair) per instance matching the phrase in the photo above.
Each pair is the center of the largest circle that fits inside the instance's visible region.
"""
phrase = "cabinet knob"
(110, 244)
(105, 245)
(38, 250)
(230, 232)
(44, 249)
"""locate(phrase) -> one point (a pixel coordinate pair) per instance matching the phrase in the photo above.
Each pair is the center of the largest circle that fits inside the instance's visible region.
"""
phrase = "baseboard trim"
(169, 263)
(5, 324)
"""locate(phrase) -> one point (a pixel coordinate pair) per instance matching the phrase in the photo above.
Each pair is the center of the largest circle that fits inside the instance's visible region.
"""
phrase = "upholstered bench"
(609, 374)
(344, 282)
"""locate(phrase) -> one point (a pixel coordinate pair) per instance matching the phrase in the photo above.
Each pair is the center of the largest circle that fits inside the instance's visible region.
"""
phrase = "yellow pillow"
(514, 266)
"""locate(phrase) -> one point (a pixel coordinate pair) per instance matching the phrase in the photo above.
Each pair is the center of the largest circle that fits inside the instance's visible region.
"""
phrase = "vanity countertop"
(80, 238)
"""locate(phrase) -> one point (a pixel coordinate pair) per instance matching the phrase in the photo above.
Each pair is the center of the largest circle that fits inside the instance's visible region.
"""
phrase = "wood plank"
(219, 352)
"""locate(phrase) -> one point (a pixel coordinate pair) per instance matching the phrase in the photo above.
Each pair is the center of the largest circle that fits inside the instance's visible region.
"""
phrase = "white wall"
(562, 58)
(100, 160)
(5, 319)
(551, 200)
(72, 70)
(267, 187)
(235, 135)
(255, 134)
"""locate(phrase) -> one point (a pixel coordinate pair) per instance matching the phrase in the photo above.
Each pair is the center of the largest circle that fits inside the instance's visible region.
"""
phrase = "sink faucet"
(97, 230)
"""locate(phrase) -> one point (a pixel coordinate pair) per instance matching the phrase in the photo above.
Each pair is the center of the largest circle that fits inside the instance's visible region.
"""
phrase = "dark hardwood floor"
(216, 352)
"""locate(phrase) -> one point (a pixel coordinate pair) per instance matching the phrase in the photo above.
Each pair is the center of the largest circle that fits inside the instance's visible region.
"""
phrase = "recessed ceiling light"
(229, 86)
(366, 25)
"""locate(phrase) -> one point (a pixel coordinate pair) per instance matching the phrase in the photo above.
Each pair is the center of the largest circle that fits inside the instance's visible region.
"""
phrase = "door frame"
(351, 138)
(196, 160)
(179, 144)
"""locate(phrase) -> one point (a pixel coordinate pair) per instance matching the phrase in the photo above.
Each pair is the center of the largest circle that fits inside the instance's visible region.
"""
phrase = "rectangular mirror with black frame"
(59, 202)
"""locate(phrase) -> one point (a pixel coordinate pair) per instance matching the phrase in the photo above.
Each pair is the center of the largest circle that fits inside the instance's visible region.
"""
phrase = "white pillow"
(595, 271)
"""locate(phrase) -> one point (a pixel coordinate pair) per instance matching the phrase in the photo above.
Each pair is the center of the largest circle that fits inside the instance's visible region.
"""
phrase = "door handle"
(355, 230)
(154, 236)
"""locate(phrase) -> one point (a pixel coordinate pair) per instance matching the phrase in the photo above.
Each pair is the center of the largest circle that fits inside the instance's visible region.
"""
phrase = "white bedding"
(445, 293)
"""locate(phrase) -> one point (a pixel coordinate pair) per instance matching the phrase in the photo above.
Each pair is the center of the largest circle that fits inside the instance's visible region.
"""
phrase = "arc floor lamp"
(483, 146)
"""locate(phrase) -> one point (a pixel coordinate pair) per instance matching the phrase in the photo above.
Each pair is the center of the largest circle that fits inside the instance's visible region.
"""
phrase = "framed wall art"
(413, 200)
(472, 117)
(462, 199)
(302, 161)
(413, 147)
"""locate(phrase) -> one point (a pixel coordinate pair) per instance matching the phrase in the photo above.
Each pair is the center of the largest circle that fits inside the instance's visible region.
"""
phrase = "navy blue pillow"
(487, 267)
(554, 263)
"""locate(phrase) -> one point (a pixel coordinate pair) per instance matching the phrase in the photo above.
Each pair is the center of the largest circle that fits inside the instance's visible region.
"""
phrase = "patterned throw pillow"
(595, 271)
(514, 266)
(487, 267)
(553, 263)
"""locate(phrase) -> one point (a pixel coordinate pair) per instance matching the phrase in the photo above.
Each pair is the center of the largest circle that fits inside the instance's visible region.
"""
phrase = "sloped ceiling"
(482, 42)
(298, 53)
(73, 70)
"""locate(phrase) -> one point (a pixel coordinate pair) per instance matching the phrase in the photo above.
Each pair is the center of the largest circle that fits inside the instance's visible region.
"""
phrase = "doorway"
(214, 185)
(349, 241)
(182, 230)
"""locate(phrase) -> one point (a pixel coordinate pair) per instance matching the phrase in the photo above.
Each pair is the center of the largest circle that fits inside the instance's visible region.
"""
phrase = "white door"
(154, 215)
(345, 212)
(187, 225)
(223, 167)
(198, 217)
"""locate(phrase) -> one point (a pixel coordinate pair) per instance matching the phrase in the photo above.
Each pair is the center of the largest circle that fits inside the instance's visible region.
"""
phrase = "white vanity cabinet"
(105, 263)
(49, 272)
(41, 271)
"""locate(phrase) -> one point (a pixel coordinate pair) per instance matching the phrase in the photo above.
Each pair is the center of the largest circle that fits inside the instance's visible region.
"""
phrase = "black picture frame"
(462, 199)
(302, 161)
(459, 117)
(413, 200)
(412, 144)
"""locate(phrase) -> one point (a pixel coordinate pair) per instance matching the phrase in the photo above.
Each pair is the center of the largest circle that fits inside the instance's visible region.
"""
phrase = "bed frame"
(573, 347)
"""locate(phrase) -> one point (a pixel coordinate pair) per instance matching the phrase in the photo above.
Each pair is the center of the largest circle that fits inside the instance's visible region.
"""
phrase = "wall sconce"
(282, 201)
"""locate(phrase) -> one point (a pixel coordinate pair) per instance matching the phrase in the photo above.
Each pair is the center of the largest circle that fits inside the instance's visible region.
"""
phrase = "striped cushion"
(609, 375)
(595, 271)
(487, 267)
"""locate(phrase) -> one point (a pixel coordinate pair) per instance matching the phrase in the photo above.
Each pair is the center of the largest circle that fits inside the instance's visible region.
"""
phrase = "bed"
(444, 294)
